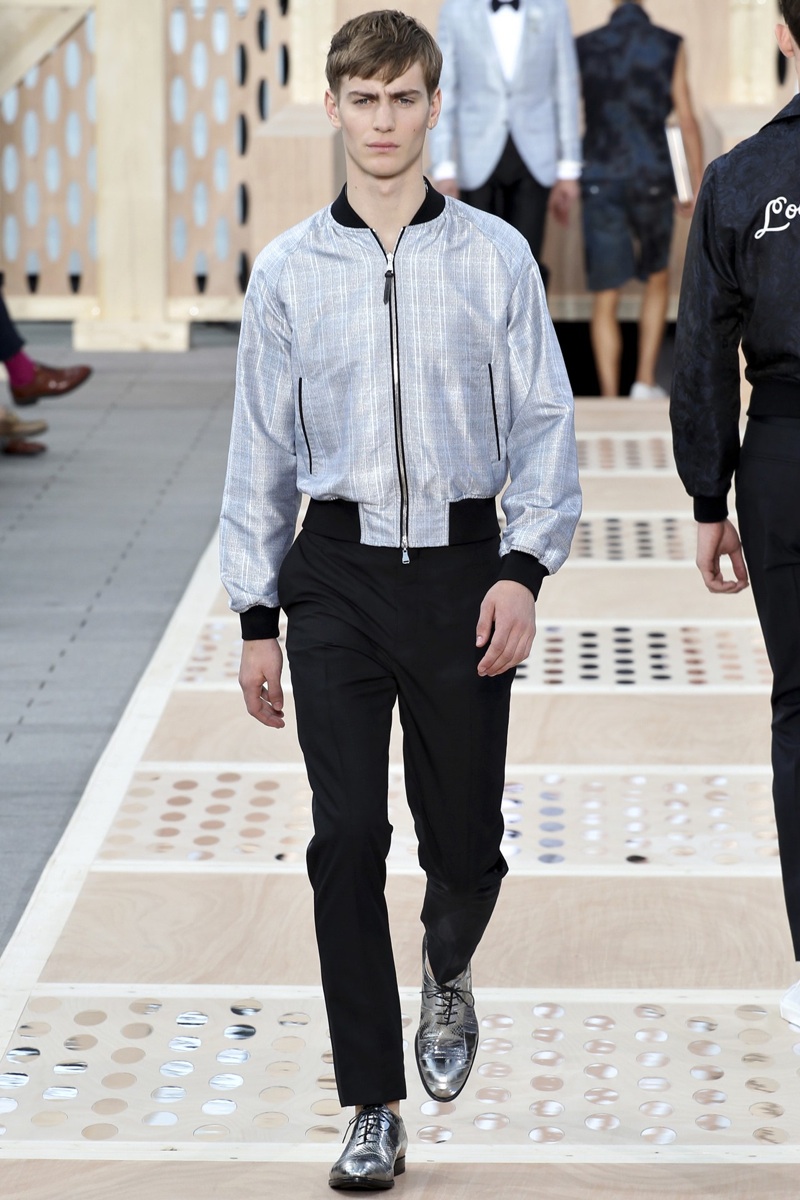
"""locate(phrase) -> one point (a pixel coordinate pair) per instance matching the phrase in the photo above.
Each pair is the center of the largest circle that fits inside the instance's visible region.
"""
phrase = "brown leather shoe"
(23, 449)
(50, 382)
(11, 426)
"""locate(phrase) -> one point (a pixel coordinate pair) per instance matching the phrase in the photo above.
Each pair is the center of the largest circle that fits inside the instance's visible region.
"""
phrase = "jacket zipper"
(494, 412)
(303, 424)
(390, 299)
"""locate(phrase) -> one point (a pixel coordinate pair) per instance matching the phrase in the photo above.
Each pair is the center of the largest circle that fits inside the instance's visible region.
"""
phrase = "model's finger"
(738, 564)
(483, 631)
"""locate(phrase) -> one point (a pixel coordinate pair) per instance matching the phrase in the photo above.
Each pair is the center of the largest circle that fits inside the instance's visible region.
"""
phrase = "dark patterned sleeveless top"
(627, 68)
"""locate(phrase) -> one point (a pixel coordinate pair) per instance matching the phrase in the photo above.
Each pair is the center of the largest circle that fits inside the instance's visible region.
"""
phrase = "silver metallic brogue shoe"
(375, 1151)
(447, 1038)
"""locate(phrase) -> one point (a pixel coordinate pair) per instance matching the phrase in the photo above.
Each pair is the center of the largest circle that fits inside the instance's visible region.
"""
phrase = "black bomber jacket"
(741, 283)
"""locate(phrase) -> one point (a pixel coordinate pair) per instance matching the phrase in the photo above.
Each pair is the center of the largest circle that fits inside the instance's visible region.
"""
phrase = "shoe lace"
(446, 1000)
(369, 1124)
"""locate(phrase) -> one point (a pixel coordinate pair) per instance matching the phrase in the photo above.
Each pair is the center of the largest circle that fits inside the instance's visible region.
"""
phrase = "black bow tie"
(498, 4)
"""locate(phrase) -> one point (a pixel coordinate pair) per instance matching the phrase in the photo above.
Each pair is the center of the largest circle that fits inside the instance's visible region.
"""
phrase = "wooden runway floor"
(161, 1014)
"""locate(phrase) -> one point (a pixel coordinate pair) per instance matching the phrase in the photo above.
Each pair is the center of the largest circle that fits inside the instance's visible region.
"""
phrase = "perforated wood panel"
(49, 173)
(228, 67)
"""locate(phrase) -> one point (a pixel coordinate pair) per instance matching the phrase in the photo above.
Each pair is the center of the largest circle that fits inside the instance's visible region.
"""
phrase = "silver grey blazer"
(539, 107)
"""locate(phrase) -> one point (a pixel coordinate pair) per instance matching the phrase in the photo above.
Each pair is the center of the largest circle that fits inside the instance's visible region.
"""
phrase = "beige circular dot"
(490, 1122)
(433, 1134)
(762, 1084)
(659, 1135)
(656, 1108)
(327, 1083)
(601, 1096)
(323, 1133)
(119, 839)
(493, 1070)
(99, 1133)
(127, 1055)
(207, 840)
(185, 785)
(270, 1120)
(773, 1137)
(755, 1037)
(258, 817)
(767, 1109)
(437, 1108)
(109, 1108)
(216, 810)
(708, 1073)
(81, 1041)
(48, 1120)
(266, 785)
(710, 1096)
(44, 1004)
(91, 1017)
(547, 1108)
(326, 1108)
(547, 1083)
(713, 1122)
(496, 1046)
(654, 1083)
(601, 1071)
(33, 1029)
(652, 1059)
(262, 802)
(223, 793)
(493, 1095)
(276, 1095)
(547, 1058)
(168, 832)
(179, 801)
(141, 791)
(705, 1049)
(289, 1045)
(497, 1021)
(598, 1047)
(650, 1012)
(283, 1067)
(228, 777)
(757, 1058)
(546, 1133)
(602, 1122)
(212, 1132)
(600, 1022)
(174, 817)
(121, 1079)
(137, 1031)
(145, 1008)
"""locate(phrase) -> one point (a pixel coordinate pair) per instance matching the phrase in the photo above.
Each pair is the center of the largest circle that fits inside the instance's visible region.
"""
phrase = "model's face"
(384, 124)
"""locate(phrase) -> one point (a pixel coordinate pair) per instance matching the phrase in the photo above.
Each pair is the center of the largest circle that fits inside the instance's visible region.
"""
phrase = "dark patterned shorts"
(627, 231)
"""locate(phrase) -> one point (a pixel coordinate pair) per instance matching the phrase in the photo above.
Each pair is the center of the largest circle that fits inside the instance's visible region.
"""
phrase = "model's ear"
(786, 41)
(332, 109)
(436, 108)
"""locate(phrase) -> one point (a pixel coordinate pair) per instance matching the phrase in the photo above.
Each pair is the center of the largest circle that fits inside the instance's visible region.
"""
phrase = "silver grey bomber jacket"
(403, 383)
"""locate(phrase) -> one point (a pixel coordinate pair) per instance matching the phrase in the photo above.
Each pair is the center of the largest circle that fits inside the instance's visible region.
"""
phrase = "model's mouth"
(383, 145)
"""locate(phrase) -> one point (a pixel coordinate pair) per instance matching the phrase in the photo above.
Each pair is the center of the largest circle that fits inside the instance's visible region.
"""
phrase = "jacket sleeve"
(442, 138)
(706, 397)
(542, 502)
(261, 501)
(568, 96)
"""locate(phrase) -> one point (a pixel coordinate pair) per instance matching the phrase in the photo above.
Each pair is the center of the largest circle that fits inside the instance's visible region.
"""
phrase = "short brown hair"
(790, 11)
(382, 45)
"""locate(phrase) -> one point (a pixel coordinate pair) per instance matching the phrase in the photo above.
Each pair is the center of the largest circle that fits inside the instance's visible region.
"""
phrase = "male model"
(740, 283)
(509, 128)
(633, 75)
(398, 365)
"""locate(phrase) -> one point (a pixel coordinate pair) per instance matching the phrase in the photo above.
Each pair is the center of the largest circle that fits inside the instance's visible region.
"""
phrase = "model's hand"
(448, 187)
(260, 681)
(714, 539)
(511, 608)
(564, 194)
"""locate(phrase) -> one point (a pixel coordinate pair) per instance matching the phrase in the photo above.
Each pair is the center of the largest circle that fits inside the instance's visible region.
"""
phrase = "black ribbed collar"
(630, 11)
(431, 208)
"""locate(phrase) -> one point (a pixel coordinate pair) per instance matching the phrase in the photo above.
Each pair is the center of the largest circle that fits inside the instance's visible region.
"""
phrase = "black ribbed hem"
(775, 398)
(710, 510)
(525, 569)
(259, 623)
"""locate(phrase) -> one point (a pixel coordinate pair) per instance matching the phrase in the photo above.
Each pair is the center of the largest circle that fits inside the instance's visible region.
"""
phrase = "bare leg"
(652, 323)
(607, 341)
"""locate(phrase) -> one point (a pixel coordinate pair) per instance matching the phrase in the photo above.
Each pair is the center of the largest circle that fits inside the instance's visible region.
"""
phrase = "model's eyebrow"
(393, 95)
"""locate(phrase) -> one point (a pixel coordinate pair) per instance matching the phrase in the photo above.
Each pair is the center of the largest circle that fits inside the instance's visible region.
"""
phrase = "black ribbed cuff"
(710, 510)
(259, 623)
(525, 569)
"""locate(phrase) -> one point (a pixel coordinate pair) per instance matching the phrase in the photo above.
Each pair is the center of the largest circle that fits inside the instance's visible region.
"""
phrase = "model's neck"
(386, 205)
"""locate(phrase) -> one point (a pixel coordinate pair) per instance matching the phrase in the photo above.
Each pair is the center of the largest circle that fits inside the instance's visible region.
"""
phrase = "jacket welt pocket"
(303, 425)
(494, 412)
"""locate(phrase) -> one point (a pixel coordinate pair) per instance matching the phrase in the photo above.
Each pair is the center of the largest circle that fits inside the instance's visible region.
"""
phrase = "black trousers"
(364, 632)
(768, 506)
(10, 341)
(511, 192)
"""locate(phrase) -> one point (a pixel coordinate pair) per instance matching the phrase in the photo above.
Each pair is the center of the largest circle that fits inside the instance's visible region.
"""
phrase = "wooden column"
(131, 313)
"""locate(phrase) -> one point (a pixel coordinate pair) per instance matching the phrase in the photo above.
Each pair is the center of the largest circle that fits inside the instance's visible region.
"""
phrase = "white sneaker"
(643, 391)
(790, 1005)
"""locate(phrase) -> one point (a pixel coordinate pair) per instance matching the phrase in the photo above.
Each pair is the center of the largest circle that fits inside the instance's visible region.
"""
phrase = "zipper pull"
(406, 559)
(388, 277)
